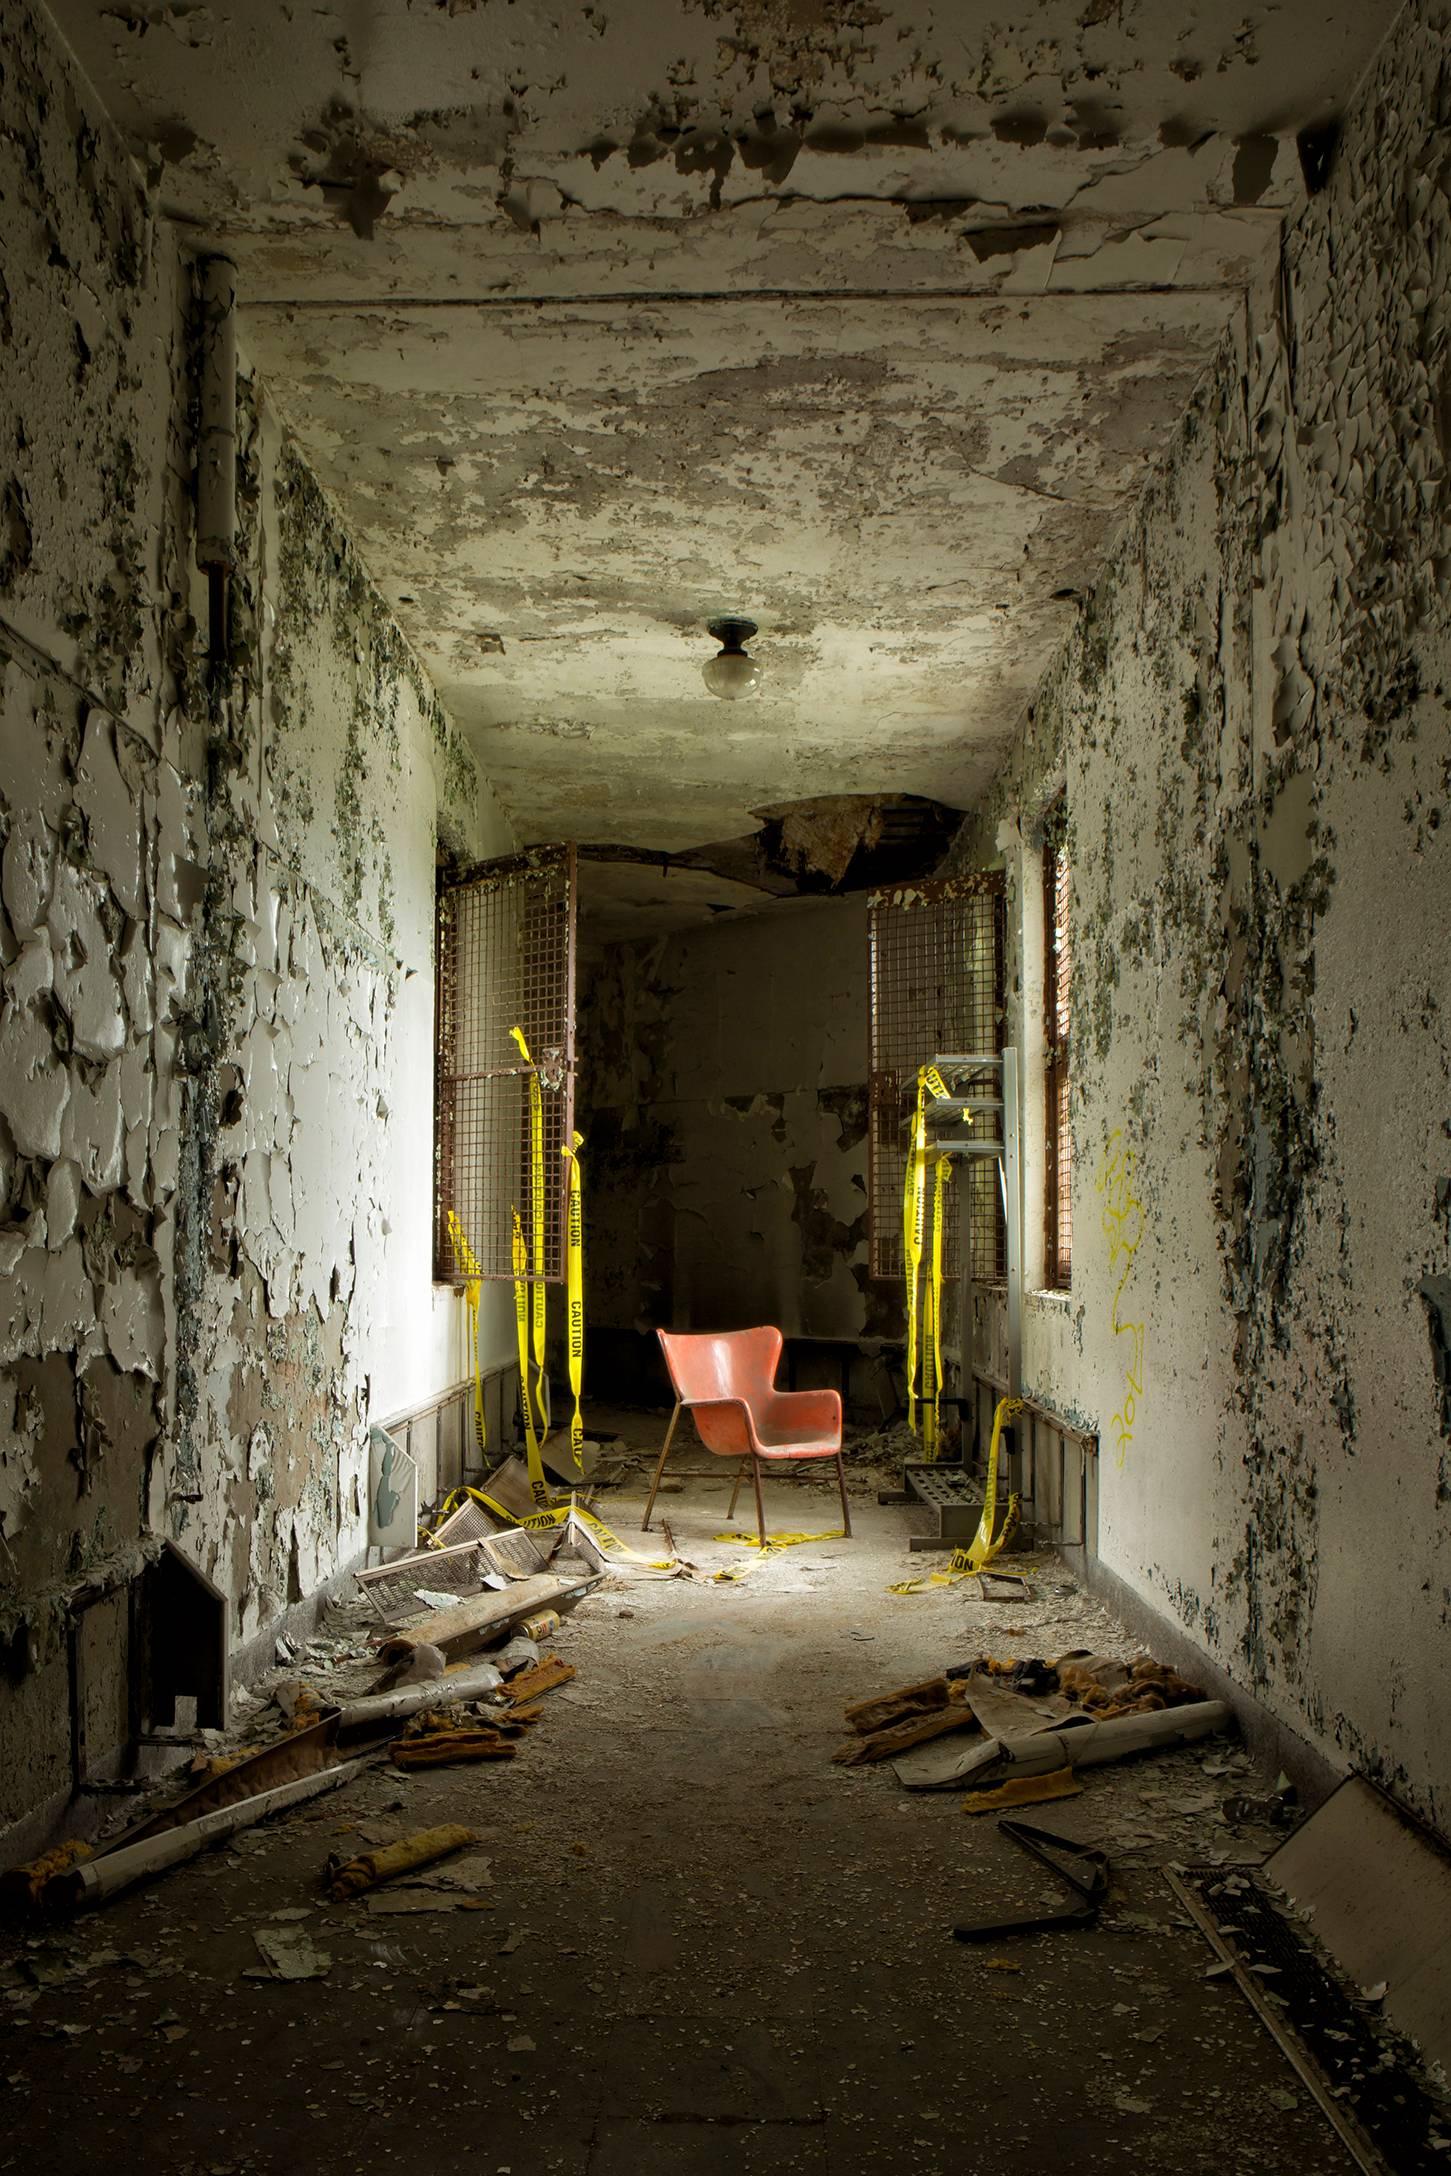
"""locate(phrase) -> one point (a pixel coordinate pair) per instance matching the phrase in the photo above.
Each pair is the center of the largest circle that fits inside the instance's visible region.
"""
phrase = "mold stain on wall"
(215, 946)
(1251, 717)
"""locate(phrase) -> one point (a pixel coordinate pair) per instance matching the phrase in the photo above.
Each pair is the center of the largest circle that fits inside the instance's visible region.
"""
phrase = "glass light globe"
(732, 674)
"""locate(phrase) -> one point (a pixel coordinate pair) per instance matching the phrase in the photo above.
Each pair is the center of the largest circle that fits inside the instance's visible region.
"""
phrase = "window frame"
(1057, 1052)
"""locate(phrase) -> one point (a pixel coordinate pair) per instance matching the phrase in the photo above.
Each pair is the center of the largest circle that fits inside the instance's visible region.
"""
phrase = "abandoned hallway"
(734, 708)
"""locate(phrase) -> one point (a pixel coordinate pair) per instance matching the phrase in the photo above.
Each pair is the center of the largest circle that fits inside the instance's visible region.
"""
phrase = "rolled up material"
(424, 1848)
(1077, 1742)
(389, 1707)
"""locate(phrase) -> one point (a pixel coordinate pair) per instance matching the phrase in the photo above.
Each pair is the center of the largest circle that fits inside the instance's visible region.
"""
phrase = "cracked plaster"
(599, 321)
(1253, 721)
(217, 955)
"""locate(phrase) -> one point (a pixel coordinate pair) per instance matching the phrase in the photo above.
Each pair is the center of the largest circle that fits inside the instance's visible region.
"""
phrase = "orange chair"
(727, 1380)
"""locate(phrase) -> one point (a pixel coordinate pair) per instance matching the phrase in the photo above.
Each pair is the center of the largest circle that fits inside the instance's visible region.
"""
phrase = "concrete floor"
(705, 1947)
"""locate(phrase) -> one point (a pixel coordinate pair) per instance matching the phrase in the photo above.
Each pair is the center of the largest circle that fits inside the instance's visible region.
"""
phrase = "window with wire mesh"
(505, 957)
(1057, 993)
(936, 962)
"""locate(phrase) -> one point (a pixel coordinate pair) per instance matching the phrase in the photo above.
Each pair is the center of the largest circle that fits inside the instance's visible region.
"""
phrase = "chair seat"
(797, 1450)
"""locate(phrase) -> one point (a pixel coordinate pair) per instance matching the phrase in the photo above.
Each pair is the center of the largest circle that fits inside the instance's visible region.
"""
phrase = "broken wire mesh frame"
(936, 964)
(506, 959)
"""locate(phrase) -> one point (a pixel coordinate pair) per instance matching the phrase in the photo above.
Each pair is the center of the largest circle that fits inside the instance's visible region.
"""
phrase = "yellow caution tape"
(914, 1209)
(536, 1227)
(913, 1192)
(927, 1344)
(782, 1541)
(620, 1552)
(538, 1486)
(932, 1328)
(985, 1544)
(610, 1544)
(558, 1514)
(575, 1236)
(451, 1503)
(469, 1268)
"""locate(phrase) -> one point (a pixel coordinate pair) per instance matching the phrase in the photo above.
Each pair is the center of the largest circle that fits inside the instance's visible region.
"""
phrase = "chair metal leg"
(735, 1492)
(845, 1507)
(760, 1507)
(660, 1468)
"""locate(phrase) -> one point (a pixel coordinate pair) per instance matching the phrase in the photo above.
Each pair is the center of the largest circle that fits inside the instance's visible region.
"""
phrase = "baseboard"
(1270, 1740)
(43, 1826)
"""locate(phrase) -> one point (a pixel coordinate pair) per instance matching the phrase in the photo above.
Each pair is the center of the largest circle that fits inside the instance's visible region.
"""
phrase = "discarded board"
(1003, 1587)
(444, 1748)
(1357, 2142)
(300, 1753)
(469, 1624)
(895, 1707)
(508, 1487)
(886, 1744)
(1023, 1791)
(1380, 1891)
(98, 1880)
(557, 1454)
(542, 1678)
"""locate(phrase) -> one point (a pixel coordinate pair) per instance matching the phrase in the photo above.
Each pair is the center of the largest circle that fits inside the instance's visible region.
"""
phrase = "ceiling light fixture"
(732, 672)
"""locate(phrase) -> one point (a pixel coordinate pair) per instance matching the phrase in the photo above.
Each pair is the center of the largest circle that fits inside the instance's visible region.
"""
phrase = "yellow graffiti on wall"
(1123, 1224)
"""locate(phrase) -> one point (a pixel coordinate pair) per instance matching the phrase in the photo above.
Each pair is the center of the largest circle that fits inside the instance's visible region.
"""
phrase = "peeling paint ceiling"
(862, 319)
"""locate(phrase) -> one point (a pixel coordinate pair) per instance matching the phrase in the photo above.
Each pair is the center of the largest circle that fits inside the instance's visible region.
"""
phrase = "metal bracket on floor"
(1086, 1874)
(1003, 1587)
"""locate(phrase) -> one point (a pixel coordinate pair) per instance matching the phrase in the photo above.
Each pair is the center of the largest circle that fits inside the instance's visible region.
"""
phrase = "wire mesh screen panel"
(506, 940)
(936, 987)
(1057, 990)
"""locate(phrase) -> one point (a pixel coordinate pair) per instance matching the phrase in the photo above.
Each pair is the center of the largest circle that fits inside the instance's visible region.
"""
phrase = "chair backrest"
(711, 1364)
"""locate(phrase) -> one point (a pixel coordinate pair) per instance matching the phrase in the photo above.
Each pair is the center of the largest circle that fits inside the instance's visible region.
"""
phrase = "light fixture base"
(731, 633)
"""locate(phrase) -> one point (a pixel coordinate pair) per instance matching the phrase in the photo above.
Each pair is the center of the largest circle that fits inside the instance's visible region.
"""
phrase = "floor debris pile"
(664, 1926)
(395, 1676)
(1032, 1724)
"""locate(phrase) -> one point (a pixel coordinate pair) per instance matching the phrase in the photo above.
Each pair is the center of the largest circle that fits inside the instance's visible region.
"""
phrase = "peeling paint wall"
(1252, 722)
(725, 1070)
(216, 1041)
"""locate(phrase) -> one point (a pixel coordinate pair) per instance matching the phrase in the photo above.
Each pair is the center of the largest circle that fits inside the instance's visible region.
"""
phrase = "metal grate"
(943, 1486)
(391, 1589)
(936, 986)
(506, 951)
(1057, 990)
(1367, 2069)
